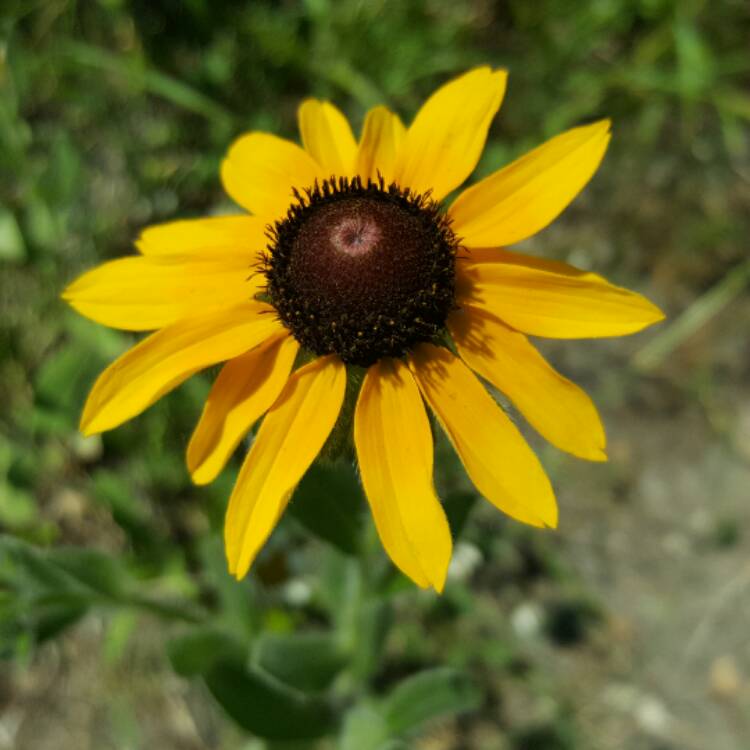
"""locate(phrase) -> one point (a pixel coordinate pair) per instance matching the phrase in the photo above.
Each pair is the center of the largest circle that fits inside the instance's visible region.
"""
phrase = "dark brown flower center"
(362, 271)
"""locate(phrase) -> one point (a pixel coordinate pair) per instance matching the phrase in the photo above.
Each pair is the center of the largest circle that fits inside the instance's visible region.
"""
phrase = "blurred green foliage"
(115, 114)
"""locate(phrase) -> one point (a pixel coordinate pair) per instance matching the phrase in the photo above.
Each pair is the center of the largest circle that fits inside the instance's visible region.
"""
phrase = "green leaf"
(306, 661)
(120, 628)
(12, 246)
(28, 566)
(428, 695)
(49, 621)
(328, 502)
(17, 507)
(364, 728)
(265, 707)
(115, 492)
(195, 652)
(458, 506)
(63, 377)
(237, 603)
(153, 81)
(42, 599)
(103, 574)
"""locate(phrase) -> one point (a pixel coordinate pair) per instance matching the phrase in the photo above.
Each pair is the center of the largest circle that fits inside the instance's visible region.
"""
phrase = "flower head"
(348, 266)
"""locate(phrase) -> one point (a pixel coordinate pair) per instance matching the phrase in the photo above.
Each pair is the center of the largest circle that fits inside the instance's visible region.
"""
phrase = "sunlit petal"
(380, 144)
(496, 457)
(214, 238)
(146, 292)
(555, 406)
(445, 141)
(550, 298)
(167, 358)
(523, 198)
(291, 436)
(244, 390)
(394, 448)
(327, 137)
(261, 170)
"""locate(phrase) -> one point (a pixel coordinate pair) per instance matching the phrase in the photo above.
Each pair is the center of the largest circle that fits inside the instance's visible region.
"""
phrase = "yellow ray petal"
(327, 137)
(379, 146)
(261, 170)
(292, 434)
(167, 358)
(214, 237)
(555, 406)
(244, 390)
(145, 292)
(549, 298)
(521, 199)
(394, 450)
(445, 141)
(495, 455)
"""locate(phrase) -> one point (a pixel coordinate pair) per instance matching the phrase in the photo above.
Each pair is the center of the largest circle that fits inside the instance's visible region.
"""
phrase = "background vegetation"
(119, 627)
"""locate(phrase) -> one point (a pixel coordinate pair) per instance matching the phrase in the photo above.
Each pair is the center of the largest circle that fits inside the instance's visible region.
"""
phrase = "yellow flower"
(348, 266)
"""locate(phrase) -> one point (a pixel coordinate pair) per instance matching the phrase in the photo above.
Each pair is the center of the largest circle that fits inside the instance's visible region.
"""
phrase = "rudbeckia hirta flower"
(349, 282)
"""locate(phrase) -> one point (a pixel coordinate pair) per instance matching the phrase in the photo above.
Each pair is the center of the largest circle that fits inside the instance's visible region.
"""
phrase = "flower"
(347, 270)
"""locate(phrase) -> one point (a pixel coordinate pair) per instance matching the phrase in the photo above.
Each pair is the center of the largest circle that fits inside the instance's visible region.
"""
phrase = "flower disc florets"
(362, 270)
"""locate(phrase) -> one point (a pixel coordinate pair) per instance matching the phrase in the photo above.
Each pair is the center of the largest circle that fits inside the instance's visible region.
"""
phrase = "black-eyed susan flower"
(349, 276)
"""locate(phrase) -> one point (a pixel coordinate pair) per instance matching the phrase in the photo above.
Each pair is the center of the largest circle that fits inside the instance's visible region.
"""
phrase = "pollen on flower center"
(356, 235)
(362, 270)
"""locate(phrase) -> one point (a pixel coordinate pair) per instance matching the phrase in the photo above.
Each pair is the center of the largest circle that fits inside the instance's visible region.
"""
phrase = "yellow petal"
(261, 170)
(445, 141)
(167, 358)
(520, 200)
(549, 298)
(244, 390)
(555, 406)
(145, 292)
(394, 450)
(380, 144)
(495, 455)
(327, 137)
(291, 436)
(214, 237)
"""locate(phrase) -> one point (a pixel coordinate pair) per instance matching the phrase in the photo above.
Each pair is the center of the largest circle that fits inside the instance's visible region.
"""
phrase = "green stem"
(170, 610)
(371, 619)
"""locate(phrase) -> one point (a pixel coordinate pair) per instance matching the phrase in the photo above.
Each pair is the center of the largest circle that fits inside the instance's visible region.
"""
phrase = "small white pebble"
(526, 620)
(297, 592)
(466, 558)
(652, 716)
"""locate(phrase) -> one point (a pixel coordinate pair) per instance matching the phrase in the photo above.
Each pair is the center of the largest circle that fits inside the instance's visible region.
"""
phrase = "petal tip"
(195, 461)
(242, 567)
(551, 518)
(439, 574)
(200, 477)
(651, 315)
(231, 561)
(87, 428)
(439, 584)
(657, 313)
(593, 453)
(598, 452)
